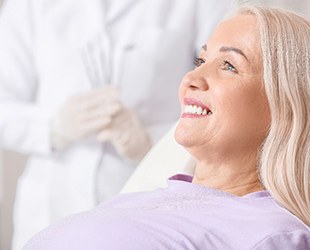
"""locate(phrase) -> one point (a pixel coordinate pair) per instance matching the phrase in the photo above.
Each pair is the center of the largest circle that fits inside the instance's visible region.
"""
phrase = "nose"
(195, 80)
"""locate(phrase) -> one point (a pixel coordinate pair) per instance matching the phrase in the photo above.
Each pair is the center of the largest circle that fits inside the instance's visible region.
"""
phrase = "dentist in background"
(86, 88)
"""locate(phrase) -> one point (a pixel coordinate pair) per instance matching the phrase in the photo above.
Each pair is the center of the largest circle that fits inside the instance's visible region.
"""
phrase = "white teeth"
(199, 110)
(196, 110)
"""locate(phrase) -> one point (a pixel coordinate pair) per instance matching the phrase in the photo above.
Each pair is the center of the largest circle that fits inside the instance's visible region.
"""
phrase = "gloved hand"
(127, 135)
(84, 115)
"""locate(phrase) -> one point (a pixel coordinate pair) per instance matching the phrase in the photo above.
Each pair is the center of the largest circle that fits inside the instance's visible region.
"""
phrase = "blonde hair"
(285, 156)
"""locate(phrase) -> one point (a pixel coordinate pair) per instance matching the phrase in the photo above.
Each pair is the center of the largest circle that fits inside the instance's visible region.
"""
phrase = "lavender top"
(181, 216)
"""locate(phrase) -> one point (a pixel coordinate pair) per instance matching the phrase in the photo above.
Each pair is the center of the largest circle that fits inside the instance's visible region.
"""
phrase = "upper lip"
(192, 101)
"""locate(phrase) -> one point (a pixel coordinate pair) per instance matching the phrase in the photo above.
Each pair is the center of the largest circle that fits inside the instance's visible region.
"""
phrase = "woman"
(78, 82)
(245, 121)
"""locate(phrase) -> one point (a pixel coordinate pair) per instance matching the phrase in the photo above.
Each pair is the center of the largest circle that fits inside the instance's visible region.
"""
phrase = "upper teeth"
(194, 109)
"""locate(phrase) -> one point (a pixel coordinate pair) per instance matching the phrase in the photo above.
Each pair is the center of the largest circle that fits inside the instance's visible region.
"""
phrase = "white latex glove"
(127, 135)
(84, 115)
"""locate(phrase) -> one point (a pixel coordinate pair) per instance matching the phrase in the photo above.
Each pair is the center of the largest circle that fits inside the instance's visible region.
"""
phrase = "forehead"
(240, 23)
(241, 32)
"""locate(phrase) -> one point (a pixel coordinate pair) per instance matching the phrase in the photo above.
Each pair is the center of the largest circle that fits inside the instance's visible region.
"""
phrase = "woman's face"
(224, 108)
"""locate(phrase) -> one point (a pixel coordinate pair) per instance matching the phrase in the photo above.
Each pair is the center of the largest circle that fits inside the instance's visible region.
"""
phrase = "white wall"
(12, 166)
(1, 176)
(1, 198)
(299, 6)
(1, 181)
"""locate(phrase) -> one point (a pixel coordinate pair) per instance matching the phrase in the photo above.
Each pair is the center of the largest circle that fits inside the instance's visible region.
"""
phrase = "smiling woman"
(228, 81)
(245, 120)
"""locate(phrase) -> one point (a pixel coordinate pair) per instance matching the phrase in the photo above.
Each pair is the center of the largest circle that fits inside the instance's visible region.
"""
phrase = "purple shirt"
(181, 216)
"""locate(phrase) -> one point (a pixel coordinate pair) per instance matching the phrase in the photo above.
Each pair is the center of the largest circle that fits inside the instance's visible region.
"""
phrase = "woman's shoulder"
(294, 239)
(276, 227)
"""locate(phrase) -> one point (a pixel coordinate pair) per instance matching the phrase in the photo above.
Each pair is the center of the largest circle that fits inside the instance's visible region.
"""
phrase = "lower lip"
(185, 115)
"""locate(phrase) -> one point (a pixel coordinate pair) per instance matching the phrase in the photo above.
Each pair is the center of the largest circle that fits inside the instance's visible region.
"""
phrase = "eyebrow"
(227, 49)
(238, 51)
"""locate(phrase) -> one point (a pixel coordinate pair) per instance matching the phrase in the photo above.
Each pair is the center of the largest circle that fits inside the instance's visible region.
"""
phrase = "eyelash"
(226, 64)
(198, 61)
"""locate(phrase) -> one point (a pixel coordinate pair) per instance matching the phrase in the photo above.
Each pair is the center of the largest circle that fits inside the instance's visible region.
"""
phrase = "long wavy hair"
(285, 156)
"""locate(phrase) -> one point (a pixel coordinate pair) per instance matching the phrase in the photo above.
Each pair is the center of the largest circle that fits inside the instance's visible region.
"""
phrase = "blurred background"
(11, 164)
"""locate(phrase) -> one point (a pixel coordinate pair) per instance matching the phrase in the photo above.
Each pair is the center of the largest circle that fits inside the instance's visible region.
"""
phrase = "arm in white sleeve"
(24, 127)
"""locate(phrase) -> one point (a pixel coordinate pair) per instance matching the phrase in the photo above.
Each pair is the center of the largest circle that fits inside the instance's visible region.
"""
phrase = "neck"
(230, 178)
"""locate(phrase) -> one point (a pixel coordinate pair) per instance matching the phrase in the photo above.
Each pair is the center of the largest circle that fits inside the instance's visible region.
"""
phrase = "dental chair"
(164, 160)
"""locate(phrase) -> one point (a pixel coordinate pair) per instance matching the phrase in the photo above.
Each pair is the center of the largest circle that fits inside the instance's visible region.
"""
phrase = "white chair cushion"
(164, 160)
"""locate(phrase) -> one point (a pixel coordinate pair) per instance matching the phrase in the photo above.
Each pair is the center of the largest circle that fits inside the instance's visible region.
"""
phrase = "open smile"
(194, 107)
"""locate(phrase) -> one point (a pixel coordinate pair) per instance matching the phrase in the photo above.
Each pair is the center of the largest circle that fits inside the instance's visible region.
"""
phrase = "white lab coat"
(41, 42)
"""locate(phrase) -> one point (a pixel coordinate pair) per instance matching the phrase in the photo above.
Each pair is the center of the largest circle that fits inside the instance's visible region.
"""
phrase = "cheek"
(255, 106)
(245, 109)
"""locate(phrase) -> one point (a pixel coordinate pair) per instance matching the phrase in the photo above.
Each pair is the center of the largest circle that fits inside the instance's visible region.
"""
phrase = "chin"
(183, 136)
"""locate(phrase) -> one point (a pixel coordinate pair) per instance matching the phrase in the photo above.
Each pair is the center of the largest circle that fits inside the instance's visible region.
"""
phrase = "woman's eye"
(198, 61)
(228, 66)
